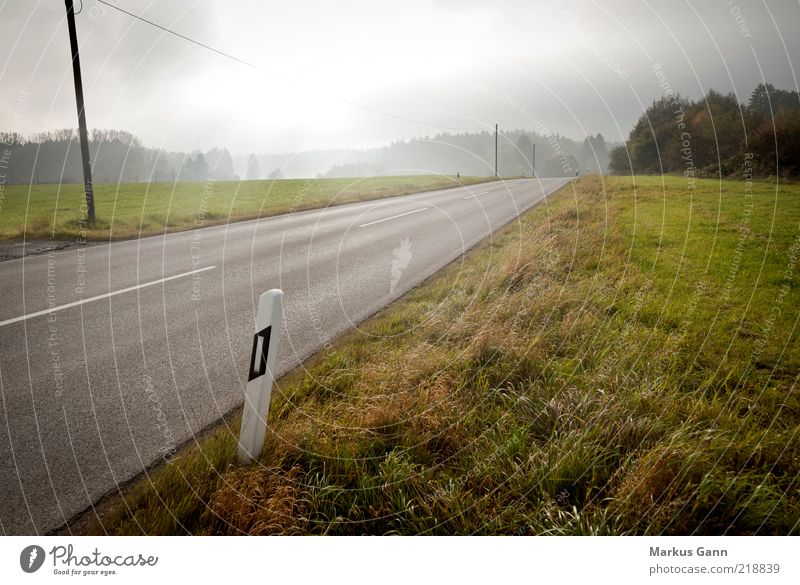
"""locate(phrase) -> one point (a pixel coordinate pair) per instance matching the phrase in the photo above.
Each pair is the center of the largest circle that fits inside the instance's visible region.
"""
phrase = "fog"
(353, 74)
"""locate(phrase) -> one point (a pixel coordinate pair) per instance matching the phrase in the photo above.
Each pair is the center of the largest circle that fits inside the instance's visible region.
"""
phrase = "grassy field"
(138, 209)
(620, 361)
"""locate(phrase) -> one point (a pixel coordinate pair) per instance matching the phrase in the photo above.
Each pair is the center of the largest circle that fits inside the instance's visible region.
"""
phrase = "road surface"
(112, 355)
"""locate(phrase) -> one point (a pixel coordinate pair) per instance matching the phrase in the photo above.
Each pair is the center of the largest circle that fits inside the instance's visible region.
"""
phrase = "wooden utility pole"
(495, 150)
(76, 75)
(533, 162)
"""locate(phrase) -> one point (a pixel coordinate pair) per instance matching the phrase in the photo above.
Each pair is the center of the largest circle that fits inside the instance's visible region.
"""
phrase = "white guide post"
(261, 376)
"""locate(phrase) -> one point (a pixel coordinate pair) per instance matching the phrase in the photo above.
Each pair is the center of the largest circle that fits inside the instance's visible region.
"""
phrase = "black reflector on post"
(261, 356)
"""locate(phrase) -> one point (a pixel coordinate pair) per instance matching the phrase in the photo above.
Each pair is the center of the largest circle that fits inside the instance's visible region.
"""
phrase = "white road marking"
(393, 217)
(98, 297)
(477, 195)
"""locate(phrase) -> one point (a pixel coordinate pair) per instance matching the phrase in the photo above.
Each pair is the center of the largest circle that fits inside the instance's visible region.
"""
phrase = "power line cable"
(278, 75)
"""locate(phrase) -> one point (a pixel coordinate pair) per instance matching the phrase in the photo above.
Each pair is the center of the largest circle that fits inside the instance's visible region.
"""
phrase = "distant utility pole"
(533, 162)
(495, 150)
(76, 74)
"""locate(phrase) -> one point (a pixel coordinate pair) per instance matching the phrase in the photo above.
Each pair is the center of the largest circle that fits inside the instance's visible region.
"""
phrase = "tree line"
(474, 154)
(116, 156)
(120, 157)
(715, 136)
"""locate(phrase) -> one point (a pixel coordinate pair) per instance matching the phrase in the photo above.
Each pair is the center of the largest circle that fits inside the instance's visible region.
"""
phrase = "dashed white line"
(393, 217)
(98, 297)
(477, 195)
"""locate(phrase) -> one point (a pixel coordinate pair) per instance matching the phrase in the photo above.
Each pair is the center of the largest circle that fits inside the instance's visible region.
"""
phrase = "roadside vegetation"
(620, 361)
(130, 210)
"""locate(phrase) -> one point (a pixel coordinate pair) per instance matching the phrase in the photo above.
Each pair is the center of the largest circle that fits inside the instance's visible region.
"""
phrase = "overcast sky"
(572, 67)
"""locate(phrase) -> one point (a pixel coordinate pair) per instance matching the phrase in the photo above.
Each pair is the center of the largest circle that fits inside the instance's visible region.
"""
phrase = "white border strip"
(393, 217)
(98, 297)
(477, 195)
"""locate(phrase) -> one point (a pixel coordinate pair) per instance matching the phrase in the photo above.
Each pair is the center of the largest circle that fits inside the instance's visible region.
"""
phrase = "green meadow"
(131, 210)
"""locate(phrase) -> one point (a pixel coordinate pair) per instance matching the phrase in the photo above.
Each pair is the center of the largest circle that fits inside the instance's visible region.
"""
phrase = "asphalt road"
(112, 355)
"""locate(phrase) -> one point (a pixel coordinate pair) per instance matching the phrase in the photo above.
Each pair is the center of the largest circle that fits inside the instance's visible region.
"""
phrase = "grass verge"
(619, 361)
(140, 209)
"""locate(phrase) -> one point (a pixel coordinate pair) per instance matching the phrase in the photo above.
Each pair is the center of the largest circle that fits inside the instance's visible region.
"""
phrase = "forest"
(473, 154)
(120, 157)
(715, 136)
(116, 157)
